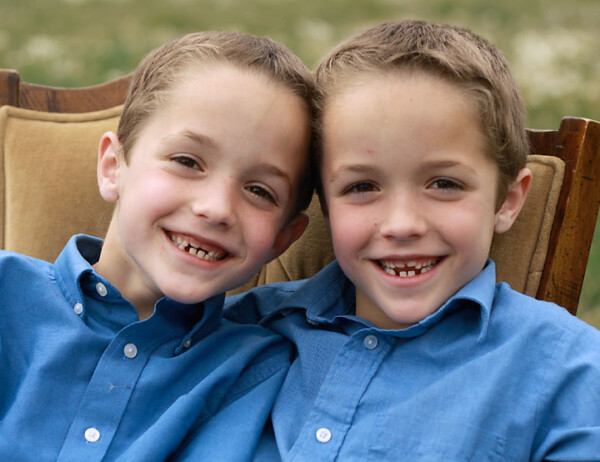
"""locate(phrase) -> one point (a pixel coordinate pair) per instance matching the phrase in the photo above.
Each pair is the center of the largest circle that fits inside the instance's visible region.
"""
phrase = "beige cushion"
(49, 189)
(521, 252)
(48, 192)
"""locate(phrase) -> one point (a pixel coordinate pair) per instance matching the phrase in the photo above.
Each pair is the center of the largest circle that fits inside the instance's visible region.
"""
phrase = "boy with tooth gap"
(407, 349)
(117, 351)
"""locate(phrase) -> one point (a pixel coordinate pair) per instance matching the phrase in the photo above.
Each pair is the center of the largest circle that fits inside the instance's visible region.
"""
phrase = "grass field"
(551, 44)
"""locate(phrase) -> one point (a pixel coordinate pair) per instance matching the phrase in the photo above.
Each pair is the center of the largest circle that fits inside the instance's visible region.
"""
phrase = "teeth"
(186, 246)
(412, 267)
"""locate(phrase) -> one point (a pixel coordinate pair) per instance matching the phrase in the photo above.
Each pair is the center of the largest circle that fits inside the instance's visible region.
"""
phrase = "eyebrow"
(273, 170)
(448, 163)
(197, 138)
(351, 168)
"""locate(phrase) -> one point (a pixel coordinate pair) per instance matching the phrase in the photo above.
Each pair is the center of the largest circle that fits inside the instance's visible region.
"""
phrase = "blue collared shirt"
(82, 379)
(492, 375)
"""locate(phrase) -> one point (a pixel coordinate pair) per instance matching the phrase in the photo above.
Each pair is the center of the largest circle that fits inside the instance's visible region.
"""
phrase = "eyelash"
(262, 193)
(446, 184)
(361, 187)
(186, 162)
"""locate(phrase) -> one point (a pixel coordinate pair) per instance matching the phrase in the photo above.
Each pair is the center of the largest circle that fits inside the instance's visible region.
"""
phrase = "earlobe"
(289, 234)
(108, 166)
(515, 198)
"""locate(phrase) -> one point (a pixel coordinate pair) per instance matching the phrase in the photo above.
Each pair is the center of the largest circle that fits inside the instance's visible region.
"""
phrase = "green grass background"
(552, 45)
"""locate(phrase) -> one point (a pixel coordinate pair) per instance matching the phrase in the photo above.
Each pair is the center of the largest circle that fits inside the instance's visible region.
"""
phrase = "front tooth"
(193, 250)
(411, 263)
(402, 274)
(411, 273)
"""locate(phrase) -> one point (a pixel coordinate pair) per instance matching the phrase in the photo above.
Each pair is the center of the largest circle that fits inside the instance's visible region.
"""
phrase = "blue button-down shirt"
(82, 379)
(492, 375)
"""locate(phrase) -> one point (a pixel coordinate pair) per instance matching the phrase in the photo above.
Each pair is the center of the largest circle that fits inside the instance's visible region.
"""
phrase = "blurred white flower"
(554, 63)
(315, 30)
(42, 47)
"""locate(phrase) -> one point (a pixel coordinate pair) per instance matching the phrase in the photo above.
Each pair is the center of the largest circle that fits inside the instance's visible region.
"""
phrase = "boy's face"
(410, 194)
(205, 196)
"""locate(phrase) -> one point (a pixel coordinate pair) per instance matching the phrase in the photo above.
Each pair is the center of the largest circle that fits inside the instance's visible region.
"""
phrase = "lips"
(200, 250)
(408, 268)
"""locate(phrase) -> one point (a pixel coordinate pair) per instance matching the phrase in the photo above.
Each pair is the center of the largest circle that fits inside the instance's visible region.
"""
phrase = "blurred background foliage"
(552, 45)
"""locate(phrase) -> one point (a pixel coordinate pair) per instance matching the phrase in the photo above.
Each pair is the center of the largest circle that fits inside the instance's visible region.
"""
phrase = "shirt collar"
(330, 295)
(77, 279)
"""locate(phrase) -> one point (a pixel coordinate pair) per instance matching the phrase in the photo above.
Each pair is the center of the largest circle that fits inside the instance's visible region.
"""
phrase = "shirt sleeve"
(569, 417)
(242, 446)
(259, 303)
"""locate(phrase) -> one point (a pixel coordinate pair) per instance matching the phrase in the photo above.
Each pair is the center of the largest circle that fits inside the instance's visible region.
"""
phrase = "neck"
(114, 266)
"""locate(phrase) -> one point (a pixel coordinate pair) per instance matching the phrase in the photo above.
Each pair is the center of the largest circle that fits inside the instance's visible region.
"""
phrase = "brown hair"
(452, 53)
(163, 67)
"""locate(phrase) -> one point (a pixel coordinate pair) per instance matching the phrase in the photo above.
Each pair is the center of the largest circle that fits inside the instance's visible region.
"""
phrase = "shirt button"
(92, 435)
(130, 351)
(188, 343)
(323, 435)
(370, 342)
(101, 289)
(78, 308)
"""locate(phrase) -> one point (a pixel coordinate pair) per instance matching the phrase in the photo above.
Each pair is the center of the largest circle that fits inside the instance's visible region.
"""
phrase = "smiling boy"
(117, 351)
(407, 349)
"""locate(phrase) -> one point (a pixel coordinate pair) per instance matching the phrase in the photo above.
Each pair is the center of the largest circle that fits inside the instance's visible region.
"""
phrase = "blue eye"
(261, 192)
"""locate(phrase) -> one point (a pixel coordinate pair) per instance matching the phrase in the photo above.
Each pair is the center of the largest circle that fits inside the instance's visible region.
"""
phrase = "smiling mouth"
(407, 269)
(201, 251)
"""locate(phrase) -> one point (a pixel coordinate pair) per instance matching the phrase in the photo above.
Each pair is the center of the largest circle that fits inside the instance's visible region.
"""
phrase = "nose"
(214, 201)
(403, 218)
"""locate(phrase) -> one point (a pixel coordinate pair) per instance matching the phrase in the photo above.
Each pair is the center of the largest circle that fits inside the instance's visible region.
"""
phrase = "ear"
(289, 234)
(109, 159)
(515, 198)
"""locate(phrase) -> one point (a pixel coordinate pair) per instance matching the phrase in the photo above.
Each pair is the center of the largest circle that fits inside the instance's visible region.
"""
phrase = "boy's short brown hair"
(163, 67)
(452, 53)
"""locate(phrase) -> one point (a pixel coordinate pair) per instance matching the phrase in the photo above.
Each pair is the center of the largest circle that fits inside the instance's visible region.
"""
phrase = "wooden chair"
(550, 265)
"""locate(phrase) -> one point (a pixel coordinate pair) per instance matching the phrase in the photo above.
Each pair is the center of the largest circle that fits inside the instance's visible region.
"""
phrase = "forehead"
(232, 110)
(399, 112)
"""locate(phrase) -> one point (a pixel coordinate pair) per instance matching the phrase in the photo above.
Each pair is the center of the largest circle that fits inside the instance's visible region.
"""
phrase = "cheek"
(350, 228)
(470, 229)
(259, 231)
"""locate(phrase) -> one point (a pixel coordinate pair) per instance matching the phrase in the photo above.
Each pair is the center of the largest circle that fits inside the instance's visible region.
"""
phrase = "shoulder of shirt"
(259, 302)
(530, 314)
(13, 262)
